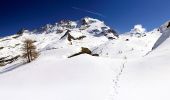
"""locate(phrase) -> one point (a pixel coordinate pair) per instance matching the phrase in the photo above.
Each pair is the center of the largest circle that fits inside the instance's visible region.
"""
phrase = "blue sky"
(119, 14)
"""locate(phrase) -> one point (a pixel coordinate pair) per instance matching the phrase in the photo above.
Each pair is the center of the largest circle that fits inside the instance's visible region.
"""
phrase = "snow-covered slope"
(148, 78)
(165, 30)
(51, 78)
(131, 66)
(87, 32)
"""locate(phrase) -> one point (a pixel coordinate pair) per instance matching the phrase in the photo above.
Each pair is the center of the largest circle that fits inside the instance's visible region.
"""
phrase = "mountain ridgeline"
(93, 34)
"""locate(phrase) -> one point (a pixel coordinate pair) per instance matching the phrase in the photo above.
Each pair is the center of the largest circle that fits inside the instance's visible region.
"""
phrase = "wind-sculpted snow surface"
(83, 77)
(127, 67)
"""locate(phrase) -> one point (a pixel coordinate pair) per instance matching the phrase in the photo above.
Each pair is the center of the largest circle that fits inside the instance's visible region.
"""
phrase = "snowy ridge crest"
(71, 36)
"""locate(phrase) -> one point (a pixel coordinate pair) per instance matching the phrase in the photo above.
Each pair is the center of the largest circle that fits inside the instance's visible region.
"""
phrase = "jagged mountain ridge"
(64, 31)
(93, 26)
(91, 33)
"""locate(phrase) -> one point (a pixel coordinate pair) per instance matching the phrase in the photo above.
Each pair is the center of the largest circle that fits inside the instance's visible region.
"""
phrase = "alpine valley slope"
(130, 66)
(148, 78)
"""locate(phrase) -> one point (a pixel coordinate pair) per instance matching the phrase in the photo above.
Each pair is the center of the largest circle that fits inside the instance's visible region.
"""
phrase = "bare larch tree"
(29, 50)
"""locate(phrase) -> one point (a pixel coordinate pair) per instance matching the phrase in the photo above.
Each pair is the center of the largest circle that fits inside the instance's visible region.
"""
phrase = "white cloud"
(138, 29)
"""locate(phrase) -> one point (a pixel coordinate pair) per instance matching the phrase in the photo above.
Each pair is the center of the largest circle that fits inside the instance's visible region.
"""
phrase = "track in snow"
(116, 80)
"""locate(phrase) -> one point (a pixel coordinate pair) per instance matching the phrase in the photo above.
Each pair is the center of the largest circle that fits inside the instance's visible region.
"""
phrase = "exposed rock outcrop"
(84, 50)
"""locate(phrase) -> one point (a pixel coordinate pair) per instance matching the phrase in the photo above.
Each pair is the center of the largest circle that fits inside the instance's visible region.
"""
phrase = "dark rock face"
(70, 37)
(84, 22)
(84, 50)
(68, 31)
(168, 25)
(95, 32)
(21, 31)
(66, 24)
(45, 29)
(111, 31)
(127, 40)
(59, 31)
(5, 60)
(97, 55)
(62, 22)
(15, 37)
(87, 21)
(111, 38)
(138, 35)
(112, 34)
(81, 37)
(164, 29)
(1, 48)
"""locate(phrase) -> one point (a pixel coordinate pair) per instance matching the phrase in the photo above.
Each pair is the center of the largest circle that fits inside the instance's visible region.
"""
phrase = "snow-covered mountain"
(129, 66)
(87, 32)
